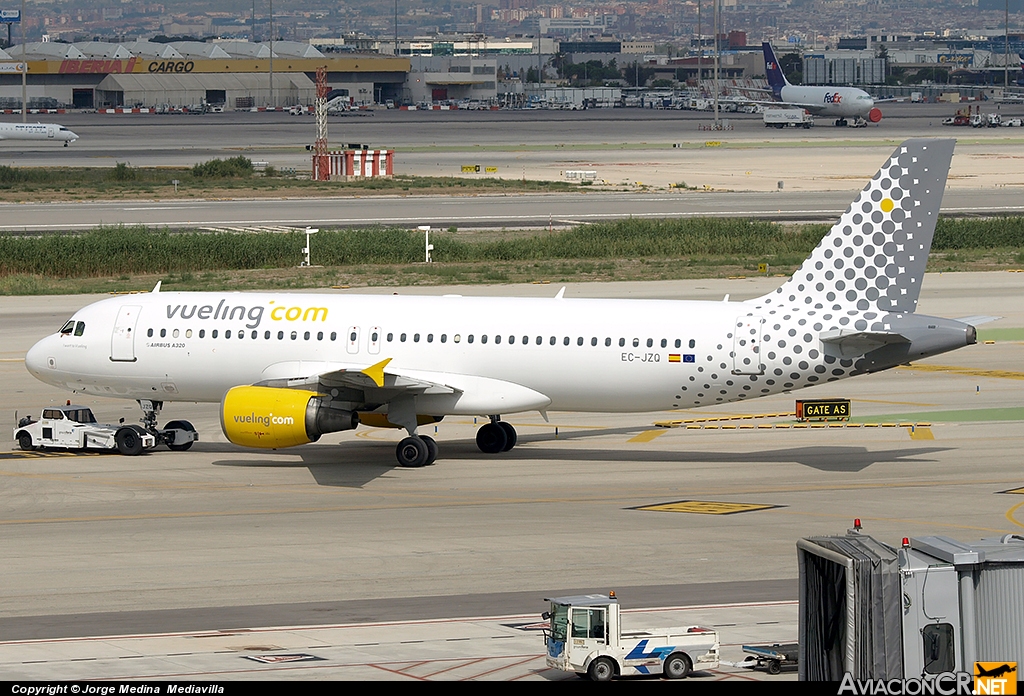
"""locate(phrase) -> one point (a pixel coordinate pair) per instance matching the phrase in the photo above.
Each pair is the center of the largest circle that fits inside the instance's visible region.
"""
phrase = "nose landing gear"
(178, 435)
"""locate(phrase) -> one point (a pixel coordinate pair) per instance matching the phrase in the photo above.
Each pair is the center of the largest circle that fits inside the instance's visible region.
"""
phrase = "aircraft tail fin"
(776, 78)
(874, 258)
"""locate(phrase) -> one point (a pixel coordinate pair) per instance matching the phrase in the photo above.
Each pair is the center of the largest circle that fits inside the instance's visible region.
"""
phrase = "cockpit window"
(68, 328)
(80, 328)
(53, 414)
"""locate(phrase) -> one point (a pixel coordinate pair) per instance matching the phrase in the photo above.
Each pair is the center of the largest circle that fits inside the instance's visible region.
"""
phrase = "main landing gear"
(420, 450)
(496, 436)
(178, 435)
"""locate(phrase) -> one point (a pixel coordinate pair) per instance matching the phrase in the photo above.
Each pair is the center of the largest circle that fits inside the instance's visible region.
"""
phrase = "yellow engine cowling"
(270, 417)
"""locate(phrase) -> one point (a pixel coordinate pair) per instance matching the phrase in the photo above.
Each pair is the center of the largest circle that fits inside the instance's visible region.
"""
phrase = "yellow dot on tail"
(887, 205)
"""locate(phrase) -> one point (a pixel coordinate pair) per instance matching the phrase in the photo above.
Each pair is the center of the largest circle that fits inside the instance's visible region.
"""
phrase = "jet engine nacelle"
(271, 417)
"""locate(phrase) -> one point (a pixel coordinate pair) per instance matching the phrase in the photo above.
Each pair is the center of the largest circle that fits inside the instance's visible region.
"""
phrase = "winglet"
(156, 288)
(376, 372)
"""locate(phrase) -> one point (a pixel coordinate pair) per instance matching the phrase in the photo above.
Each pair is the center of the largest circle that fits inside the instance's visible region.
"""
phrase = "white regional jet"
(840, 103)
(37, 131)
(287, 368)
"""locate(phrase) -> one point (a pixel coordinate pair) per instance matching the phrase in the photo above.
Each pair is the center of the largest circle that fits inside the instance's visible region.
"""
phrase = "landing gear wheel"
(431, 449)
(774, 667)
(601, 670)
(25, 442)
(128, 441)
(180, 425)
(510, 435)
(491, 438)
(412, 452)
(677, 666)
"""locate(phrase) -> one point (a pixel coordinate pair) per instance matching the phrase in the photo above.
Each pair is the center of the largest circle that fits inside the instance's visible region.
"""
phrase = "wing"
(381, 388)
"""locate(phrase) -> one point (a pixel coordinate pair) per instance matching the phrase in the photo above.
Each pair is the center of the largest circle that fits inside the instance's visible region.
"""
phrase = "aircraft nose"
(39, 358)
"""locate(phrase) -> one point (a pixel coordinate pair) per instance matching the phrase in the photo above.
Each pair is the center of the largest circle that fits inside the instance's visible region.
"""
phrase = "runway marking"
(897, 403)
(12, 359)
(967, 371)
(967, 415)
(901, 520)
(705, 507)
(647, 436)
(1010, 514)
(920, 433)
(170, 207)
(432, 500)
(49, 455)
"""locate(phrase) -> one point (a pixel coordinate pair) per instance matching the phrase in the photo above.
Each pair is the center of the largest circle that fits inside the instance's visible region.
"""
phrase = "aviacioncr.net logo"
(943, 684)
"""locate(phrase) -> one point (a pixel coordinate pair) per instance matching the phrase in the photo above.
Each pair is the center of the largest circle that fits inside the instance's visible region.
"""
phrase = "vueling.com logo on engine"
(995, 678)
(267, 420)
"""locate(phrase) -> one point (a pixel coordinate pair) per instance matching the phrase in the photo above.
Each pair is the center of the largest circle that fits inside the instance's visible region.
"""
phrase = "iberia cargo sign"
(98, 66)
(108, 67)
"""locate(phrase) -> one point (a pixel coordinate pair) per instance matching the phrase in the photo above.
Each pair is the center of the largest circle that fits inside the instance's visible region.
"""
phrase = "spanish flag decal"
(674, 357)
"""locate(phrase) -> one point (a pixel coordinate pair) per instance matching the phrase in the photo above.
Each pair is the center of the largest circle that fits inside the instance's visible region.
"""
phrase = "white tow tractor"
(585, 636)
(75, 427)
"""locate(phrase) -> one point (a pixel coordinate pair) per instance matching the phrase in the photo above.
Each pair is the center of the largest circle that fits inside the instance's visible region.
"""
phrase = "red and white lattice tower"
(321, 160)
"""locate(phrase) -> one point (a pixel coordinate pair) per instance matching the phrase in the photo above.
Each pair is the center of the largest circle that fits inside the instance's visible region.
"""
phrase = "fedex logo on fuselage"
(833, 98)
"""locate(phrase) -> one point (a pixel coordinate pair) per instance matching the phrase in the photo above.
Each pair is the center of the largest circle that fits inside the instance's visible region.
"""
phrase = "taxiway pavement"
(222, 539)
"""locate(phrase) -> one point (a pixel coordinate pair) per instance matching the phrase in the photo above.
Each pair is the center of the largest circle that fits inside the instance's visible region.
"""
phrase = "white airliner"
(287, 368)
(37, 131)
(840, 103)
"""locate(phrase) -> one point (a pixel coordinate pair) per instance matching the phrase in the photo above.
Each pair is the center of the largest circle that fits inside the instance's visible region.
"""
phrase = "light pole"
(428, 247)
(309, 231)
(25, 72)
(273, 102)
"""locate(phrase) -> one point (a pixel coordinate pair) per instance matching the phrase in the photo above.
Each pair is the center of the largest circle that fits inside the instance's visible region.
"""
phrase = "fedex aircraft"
(840, 103)
(37, 131)
(288, 368)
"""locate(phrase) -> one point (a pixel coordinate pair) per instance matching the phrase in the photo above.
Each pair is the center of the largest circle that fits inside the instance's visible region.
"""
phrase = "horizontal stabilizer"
(977, 319)
(844, 343)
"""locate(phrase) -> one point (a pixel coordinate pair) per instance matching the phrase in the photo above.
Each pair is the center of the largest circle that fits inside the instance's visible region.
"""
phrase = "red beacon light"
(611, 594)
(906, 542)
(856, 524)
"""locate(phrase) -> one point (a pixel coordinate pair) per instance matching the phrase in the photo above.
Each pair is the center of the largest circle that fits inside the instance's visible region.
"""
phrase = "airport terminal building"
(234, 74)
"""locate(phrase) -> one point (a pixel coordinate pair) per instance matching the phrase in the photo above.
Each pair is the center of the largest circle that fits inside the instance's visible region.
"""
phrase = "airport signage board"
(822, 409)
(960, 60)
(10, 16)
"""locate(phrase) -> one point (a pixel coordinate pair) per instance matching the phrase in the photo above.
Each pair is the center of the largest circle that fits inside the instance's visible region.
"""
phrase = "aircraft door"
(353, 339)
(50, 131)
(122, 343)
(373, 344)
(746, 346)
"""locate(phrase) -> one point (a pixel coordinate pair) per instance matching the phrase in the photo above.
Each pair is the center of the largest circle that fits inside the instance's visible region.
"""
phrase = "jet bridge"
(931, 606)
